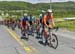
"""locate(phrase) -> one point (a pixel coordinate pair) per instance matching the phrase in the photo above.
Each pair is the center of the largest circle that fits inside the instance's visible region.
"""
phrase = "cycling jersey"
(41, 17)
(24, 22)
(47, 19)
(30, 20)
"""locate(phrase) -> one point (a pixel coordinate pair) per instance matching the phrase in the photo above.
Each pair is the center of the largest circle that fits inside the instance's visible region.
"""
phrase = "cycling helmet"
(49, 10)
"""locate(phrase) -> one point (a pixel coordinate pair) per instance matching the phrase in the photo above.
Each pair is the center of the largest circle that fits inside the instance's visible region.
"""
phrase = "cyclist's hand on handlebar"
(28, 24)
(22, 28)
(50, 26)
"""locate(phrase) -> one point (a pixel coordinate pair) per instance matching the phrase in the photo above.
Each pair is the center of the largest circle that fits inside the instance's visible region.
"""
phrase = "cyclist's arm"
(28, 24)
(52, 20)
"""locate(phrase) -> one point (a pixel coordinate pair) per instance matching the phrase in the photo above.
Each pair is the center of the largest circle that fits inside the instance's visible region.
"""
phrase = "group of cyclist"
(45, 21)
(11, 23)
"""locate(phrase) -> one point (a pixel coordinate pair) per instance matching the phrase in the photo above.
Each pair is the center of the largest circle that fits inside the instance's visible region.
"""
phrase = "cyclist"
(13, 24)
(42, 15)
(24, 23)
(41, 24)
(31, 21)
(18, 23)
(48, 21)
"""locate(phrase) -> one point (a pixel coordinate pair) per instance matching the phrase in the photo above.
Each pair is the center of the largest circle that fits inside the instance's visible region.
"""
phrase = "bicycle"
(24, 33)
(52, 39)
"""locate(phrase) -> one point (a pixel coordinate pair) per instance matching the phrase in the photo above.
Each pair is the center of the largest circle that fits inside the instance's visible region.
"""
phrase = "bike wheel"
(53, 41)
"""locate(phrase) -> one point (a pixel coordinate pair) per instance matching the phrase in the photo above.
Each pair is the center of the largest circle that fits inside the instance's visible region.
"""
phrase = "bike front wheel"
(53, 41)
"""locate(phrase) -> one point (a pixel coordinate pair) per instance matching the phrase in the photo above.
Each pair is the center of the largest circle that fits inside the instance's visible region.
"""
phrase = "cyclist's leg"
(46, 34)
(38, 28)
(41, 30)
(42, 33)
(29, 28)
(26, 31)
(22, 31)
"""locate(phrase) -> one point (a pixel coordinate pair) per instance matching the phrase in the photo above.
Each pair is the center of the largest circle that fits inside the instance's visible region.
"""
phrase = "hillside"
(63, 9)
(4, 5)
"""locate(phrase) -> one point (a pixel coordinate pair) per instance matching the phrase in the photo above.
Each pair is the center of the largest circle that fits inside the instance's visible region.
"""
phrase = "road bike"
(24, 33)
(51, 39)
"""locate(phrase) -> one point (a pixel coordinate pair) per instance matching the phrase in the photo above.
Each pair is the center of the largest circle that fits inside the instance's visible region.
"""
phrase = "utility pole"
(50, 4)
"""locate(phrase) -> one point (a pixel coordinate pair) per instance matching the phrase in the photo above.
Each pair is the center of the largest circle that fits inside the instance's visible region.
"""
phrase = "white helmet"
(43, 11)
(49, 10)
(40, 14)
(25, 14)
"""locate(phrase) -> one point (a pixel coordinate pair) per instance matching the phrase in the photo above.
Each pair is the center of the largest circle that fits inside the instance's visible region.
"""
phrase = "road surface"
(10, 43)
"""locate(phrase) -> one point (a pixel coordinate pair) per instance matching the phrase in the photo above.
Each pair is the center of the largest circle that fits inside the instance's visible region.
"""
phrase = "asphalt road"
(10, 43)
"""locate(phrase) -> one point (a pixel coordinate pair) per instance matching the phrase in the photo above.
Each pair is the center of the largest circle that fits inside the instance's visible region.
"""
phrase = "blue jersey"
(25, 19)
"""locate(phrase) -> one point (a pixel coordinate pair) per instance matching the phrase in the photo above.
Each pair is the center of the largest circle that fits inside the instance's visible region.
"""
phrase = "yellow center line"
(27, 49)
(31, 47)
(25, 45)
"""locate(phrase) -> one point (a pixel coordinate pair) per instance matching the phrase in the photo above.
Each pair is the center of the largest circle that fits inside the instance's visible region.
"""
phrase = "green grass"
(70, 25)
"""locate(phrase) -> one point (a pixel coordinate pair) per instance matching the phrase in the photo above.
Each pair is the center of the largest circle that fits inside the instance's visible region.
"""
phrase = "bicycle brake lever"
(56, 28)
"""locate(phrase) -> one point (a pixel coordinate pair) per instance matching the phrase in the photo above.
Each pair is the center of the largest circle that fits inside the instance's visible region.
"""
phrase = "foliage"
(63, 9)
(70, 25)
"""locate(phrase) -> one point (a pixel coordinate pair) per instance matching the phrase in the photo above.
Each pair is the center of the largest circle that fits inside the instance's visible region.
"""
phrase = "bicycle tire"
(51, 45)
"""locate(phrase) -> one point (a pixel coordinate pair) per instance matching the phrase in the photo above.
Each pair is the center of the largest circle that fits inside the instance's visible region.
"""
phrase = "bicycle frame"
(53, 42)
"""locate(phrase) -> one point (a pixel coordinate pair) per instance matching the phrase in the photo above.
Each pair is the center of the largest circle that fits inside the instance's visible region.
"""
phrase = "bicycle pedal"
(45, 44)
(23, 37)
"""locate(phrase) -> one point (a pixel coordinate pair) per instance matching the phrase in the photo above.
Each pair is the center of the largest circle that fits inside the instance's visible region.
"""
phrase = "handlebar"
(56, 28)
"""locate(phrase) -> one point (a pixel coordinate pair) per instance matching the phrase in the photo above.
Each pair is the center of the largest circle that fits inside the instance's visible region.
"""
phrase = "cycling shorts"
(30, 22)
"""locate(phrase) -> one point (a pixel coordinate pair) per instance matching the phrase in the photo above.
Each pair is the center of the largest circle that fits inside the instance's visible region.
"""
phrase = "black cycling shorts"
(40, 20)
(47, 23)
(30, 22)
